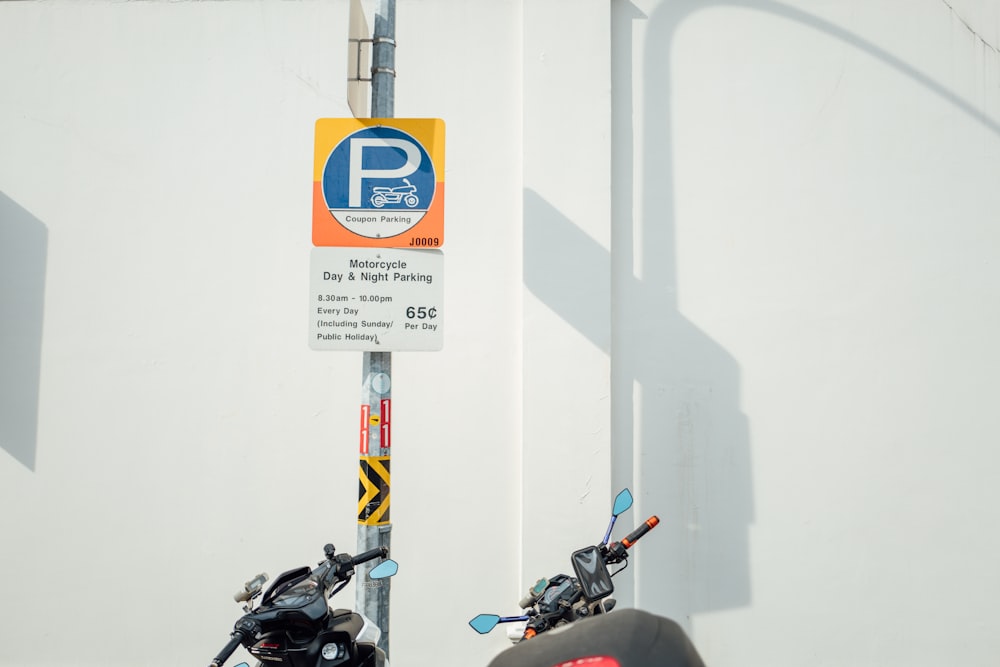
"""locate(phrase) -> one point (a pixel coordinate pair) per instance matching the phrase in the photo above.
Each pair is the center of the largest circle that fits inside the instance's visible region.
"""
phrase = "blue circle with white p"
(378, 168)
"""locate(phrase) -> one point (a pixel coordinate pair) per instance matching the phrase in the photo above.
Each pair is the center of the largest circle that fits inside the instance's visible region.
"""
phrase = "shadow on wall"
(565, 268)
(691, 431)
(693, 452)
(680, 438)
(23, 248)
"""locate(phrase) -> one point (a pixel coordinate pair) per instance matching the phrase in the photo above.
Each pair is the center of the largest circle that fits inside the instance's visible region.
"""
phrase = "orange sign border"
(428, 233)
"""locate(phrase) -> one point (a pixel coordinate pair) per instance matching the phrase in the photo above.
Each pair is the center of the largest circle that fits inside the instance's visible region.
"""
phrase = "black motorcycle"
(293, 626)
(563, 599)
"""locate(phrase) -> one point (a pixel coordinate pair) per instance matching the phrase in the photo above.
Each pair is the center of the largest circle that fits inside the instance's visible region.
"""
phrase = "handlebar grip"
(370, 554)
(227, 650)
(634, 536)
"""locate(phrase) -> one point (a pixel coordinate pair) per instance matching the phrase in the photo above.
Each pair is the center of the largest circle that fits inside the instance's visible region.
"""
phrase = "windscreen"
(298, 595)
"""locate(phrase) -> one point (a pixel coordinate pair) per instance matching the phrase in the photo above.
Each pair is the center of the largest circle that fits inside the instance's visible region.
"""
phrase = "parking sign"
(379, 182)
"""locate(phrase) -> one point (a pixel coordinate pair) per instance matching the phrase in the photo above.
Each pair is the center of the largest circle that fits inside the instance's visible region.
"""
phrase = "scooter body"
(304, 632)
(293, 624)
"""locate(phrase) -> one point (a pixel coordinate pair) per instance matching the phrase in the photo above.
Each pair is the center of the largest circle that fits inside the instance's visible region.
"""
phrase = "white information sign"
(376, 299)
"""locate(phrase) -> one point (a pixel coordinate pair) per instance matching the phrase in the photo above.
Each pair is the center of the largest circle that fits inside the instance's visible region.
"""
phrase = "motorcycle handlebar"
(634, 536)
(370, 555)
(227, 650)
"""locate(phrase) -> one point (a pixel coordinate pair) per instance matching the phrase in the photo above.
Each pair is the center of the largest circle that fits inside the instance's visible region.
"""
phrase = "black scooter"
(564, 599)
(293, 626)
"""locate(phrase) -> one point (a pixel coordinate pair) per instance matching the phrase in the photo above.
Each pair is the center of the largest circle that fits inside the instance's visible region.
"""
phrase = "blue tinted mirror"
(243, 664)
(484, 623)
(383, 570)
(622, 502)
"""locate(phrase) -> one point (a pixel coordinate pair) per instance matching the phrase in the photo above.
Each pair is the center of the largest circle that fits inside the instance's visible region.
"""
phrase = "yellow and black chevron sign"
(373, 490)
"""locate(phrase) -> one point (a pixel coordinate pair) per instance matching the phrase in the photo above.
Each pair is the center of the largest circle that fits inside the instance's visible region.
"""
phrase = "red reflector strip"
(591, 661)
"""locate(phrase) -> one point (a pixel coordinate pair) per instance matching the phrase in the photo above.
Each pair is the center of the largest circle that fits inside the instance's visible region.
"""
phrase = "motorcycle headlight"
(334, 651)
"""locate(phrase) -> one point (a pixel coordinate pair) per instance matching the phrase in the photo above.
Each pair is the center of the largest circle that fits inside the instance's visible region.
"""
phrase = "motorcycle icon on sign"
(402, 193)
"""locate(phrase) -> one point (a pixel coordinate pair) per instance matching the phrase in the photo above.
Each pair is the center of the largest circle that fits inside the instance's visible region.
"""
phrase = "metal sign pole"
(374, 528)
(384, 60)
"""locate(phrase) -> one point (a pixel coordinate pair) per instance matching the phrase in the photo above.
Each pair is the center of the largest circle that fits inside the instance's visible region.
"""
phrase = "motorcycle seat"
(623, 638)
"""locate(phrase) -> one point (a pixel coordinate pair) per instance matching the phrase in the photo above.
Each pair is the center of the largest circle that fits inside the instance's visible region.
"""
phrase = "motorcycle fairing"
(278, 648)
(298, 606)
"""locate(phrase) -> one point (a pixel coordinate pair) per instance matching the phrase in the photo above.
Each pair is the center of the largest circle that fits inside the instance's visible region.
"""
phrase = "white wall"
(735, 255)
(813, 325)
(156, 179)
(567, 277)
